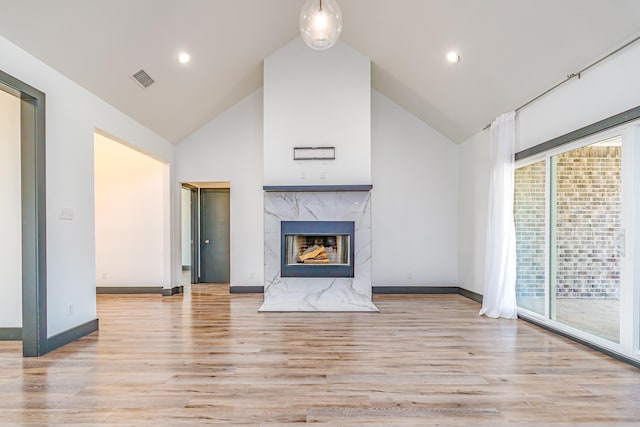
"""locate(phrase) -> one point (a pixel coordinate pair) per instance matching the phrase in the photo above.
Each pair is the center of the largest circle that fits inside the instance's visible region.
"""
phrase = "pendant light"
(320, 23)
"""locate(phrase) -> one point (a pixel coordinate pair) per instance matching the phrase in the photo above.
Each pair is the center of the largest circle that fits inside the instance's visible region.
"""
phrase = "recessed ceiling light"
(453, 57)
(184, 57)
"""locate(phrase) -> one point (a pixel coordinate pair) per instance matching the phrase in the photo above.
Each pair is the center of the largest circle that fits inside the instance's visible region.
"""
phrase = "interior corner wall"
(229, 149)
(72, 116)
(312, 99)
(473, 171)
(414, 201)
(609, 88)
(129, 203)
(10, 214)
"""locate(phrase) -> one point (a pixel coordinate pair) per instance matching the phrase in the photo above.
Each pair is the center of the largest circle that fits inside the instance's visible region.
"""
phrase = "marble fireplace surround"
(317, 203)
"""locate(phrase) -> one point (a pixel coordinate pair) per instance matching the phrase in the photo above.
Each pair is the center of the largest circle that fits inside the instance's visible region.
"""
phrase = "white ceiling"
(511, 50)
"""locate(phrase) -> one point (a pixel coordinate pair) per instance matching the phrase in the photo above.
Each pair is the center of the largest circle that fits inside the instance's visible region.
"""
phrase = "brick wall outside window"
(588, 222)
(529, 213)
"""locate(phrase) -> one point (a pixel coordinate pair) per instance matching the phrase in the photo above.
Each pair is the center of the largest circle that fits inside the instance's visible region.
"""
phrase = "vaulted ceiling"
(510, 50)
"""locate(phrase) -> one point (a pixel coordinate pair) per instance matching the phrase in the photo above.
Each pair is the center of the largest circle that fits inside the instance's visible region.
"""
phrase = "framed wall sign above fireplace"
(317, 248)
(314, 153)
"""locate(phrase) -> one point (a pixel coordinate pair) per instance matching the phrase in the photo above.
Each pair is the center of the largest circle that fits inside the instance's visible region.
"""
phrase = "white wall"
(414, 200)
(607, 89)
(185, 225)
(409, 158)
(473, 167)
(229, 148)
(10, 214)
(72, 116)
(317, 98)
(129, 203)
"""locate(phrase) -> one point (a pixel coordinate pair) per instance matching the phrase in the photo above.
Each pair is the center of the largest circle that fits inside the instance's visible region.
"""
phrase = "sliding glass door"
(585, 234)
(571, 208)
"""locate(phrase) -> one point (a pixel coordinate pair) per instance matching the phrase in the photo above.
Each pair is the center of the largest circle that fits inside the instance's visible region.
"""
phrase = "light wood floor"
(209, 358)
(600, 317)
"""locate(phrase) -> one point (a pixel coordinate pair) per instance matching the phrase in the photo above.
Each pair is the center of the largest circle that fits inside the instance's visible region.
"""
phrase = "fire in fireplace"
(317, 248)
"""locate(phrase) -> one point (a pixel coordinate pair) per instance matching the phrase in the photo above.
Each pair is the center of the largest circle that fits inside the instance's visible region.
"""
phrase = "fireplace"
(329, 227)
(317, 248)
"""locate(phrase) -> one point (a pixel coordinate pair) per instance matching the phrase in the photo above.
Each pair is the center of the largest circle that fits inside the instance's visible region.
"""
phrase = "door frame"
(195, 234)
(196, 187)
(35, 341)
(626, 271)
(625, 205)
(194, 220)
(628, 125)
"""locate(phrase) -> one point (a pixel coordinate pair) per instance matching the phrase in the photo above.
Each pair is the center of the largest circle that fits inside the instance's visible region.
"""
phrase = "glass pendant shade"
(320, 23)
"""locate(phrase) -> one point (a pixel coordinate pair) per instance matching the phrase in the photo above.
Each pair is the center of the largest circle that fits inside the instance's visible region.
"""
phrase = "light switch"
(66, 213)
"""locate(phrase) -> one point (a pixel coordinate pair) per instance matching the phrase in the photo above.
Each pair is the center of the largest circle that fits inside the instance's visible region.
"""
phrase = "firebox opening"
(312, 250)
(317, 248)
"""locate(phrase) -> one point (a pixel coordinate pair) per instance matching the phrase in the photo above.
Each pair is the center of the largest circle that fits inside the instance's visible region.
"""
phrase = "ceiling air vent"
(143, 78)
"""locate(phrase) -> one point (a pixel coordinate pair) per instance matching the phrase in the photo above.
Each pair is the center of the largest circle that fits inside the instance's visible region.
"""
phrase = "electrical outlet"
(70, 309)
(104, 276)
(251, 276)
(409, 275)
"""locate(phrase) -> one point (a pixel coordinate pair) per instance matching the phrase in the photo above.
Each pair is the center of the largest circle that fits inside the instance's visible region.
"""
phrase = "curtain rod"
(572, 76)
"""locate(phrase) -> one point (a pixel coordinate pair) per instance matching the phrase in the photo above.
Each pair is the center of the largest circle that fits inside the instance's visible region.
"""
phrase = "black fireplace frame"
(317, 228)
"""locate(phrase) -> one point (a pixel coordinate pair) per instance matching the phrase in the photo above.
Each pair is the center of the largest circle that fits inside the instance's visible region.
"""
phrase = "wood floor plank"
(208, 357)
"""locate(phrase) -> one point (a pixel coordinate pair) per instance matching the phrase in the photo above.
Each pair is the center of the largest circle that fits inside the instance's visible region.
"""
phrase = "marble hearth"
(318, 203)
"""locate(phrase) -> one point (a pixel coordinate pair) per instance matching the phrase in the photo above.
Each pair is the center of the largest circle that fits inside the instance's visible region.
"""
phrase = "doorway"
(575, 261)
(586, 232)
(33, 331)
(205, 230)
(188, 235)
(130, 199)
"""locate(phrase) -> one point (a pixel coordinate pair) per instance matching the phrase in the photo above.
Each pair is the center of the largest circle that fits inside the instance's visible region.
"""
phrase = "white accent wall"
(130, 201)
(10, 218)
(317, 98)
(229, 148)
(414, 201)
(607, 89)
(72, 115)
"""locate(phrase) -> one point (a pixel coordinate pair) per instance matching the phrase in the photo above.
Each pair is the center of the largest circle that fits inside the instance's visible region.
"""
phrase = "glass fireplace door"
(317, 248)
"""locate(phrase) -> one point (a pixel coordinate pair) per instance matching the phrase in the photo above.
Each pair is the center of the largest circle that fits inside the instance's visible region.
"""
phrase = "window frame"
(629, 332)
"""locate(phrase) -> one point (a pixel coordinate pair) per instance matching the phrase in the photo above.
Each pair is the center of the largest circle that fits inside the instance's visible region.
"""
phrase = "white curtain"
(499, 299)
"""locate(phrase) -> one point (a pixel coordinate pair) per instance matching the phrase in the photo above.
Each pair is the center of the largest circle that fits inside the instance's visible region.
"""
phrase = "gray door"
(214, 235)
